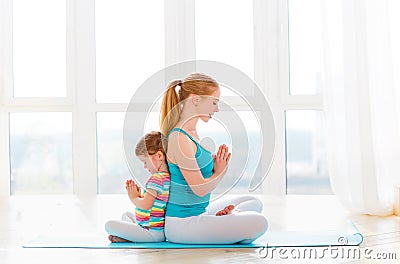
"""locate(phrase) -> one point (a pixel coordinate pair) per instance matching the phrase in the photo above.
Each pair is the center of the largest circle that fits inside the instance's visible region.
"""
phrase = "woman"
(195, 172)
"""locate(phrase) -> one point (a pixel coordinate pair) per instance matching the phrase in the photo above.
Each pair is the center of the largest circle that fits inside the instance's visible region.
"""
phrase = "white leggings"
(243, 225)
(128, 229)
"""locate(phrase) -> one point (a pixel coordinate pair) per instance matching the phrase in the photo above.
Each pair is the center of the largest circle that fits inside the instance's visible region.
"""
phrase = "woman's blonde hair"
(150, 144)
(195, 83)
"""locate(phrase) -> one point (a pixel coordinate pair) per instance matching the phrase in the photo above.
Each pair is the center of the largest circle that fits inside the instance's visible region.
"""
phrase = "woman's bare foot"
(115, 239)
(227, 210)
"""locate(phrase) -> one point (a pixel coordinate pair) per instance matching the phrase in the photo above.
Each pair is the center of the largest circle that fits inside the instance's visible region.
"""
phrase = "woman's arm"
(184, 155)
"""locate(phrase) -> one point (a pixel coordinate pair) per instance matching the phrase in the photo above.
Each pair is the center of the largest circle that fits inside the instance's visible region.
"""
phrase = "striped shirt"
(154, 218)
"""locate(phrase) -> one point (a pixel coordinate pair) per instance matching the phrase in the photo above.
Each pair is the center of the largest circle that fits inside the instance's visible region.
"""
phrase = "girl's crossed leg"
(128, 230)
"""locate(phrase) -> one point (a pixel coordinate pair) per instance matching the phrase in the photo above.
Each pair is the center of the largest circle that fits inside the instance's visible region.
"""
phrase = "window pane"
(219, 130)
(224, 33)
(129, 46)
(41, 153)
(305, 46)
(39, 48)
(306, 167)
(112, 168)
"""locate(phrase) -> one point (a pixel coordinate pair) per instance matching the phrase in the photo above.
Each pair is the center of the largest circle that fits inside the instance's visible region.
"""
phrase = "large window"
(70, 68)
(37, 133)
(306, 167)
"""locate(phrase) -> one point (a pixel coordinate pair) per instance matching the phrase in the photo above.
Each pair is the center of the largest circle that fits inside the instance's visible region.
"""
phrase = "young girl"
(195, 172)
(147, 225)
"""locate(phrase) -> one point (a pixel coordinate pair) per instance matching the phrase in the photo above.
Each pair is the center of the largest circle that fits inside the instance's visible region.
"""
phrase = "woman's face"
(208, 105)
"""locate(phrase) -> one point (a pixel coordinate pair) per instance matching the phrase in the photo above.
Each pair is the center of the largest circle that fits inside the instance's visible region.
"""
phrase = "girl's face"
(208, 105)
(153, 162)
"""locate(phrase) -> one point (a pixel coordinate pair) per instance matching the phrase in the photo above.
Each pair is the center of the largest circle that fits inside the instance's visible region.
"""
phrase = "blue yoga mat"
(349, 236)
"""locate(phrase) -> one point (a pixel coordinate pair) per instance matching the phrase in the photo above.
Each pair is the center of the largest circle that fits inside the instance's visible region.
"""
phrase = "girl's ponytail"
(170, 109)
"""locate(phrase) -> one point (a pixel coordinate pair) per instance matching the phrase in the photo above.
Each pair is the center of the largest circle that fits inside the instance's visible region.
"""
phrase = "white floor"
(24, 217)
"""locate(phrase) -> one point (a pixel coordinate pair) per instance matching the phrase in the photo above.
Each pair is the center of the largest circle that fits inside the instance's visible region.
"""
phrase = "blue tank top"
(183, 202)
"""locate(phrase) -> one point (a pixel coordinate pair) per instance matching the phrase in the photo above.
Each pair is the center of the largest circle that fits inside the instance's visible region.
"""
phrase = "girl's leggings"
(243, 225)
(128, 229)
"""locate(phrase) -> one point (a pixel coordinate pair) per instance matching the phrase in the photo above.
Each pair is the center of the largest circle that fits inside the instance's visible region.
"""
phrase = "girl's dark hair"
(150, 143)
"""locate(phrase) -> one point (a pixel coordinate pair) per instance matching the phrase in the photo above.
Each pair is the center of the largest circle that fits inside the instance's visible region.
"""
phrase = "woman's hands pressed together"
(221, 160)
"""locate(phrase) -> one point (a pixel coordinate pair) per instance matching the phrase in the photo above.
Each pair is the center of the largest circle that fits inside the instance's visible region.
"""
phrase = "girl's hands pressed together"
(221, 160)
(133, 189)
(141, 200)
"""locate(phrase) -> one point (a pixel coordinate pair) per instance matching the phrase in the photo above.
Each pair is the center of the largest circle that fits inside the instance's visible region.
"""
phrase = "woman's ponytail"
(170, 109)
(194, 83)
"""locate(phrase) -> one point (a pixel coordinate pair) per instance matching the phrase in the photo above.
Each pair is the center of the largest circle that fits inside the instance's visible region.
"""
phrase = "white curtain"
(362, 101)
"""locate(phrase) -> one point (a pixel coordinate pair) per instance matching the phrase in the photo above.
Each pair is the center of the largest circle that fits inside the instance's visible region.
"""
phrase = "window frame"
(271, 73)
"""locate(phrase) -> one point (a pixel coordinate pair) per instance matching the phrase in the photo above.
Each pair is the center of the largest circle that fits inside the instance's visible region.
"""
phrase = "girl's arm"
(145, 202)
(184, 155)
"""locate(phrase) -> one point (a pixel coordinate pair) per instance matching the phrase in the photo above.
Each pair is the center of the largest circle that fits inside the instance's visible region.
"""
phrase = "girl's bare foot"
(115, 239)
(227, 210)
